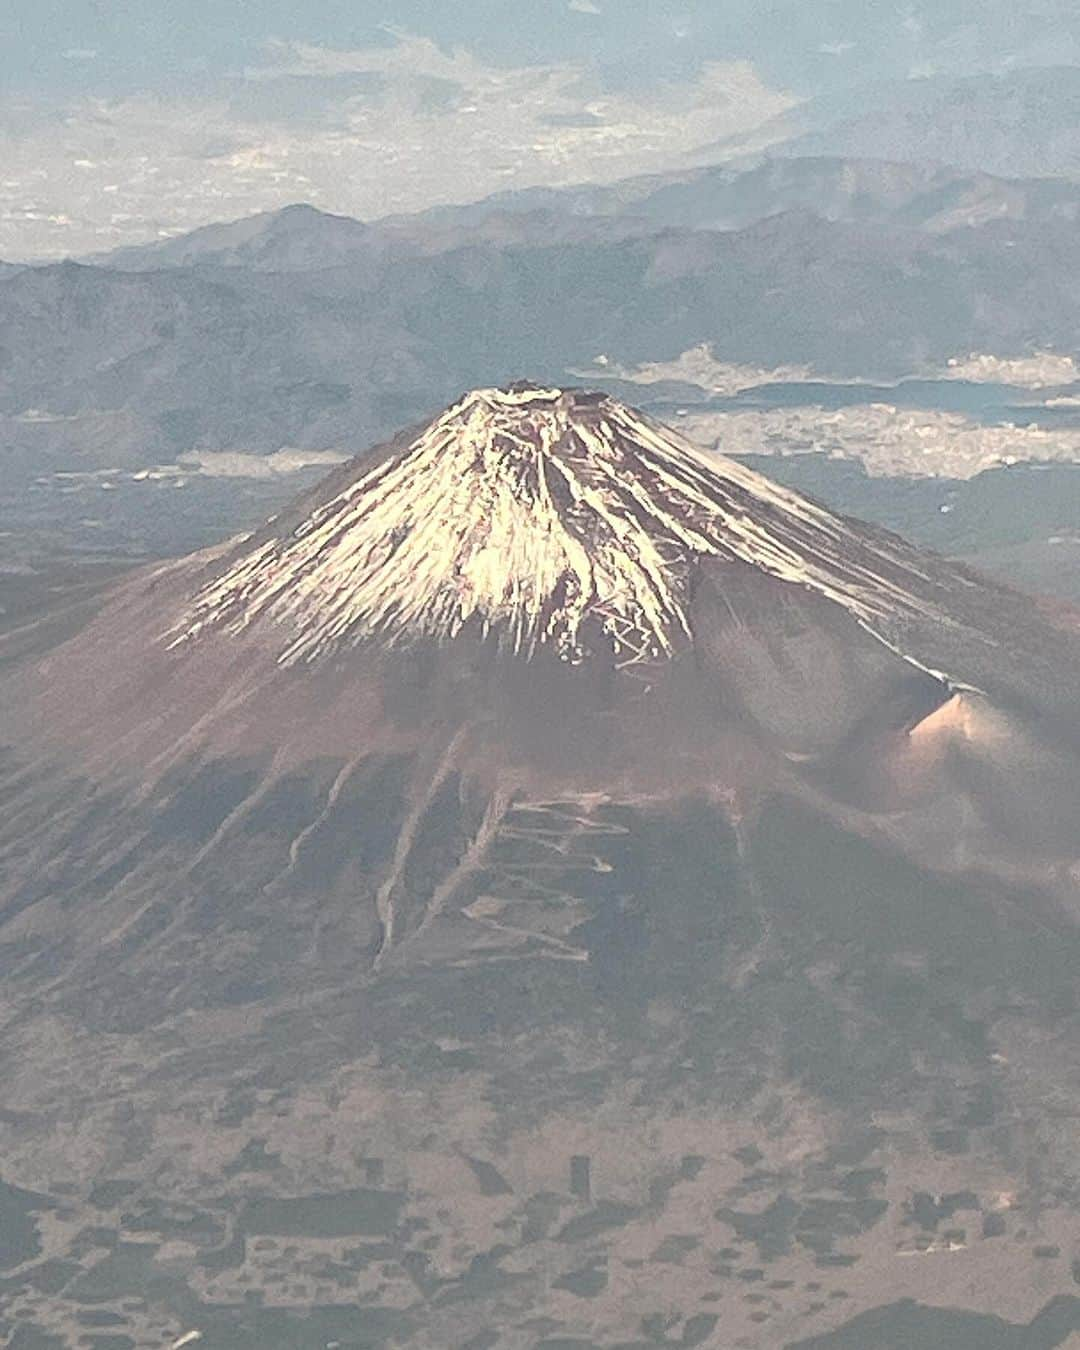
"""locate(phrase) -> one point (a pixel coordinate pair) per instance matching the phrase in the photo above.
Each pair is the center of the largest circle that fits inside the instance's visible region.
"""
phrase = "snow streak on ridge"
(542, 517)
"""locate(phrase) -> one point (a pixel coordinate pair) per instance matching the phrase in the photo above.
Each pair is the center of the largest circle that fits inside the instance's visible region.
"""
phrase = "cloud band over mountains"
(368, 132)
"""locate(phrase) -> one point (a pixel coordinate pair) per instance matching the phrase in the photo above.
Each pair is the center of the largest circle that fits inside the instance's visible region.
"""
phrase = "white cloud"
(912, 24)
(80, 54)
(1039, 370)
(836, 48)
(239, 464)
(420, 126)
(584, 7)
(700, 368)
(408, 54)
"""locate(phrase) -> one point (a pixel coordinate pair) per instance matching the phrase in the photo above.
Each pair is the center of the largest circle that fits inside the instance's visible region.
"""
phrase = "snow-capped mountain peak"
(543, 517)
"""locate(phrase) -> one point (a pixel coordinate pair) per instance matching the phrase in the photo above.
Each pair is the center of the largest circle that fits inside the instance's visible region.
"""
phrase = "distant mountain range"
(873, 191)
(302, 238)
(299, 328)
(1021, 123)
(890, 193)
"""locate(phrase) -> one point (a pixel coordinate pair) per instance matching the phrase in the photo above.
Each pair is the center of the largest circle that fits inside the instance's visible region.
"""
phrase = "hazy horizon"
(121, 124)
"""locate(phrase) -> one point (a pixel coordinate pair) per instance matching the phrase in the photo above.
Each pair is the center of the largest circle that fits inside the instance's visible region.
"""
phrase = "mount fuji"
(546, 882)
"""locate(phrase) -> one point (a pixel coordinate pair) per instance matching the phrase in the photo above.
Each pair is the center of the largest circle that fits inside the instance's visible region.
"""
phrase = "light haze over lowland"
(122, 123)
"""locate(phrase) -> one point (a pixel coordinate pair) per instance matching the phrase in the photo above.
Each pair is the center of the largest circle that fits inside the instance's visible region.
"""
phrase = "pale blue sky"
(804, 44)
(126, 119)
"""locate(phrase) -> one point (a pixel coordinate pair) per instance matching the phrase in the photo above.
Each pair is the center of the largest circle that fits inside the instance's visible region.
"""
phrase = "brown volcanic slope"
(552, 888)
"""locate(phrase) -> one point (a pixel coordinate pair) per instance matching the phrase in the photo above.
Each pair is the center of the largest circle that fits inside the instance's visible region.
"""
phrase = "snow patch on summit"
(546, 518)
